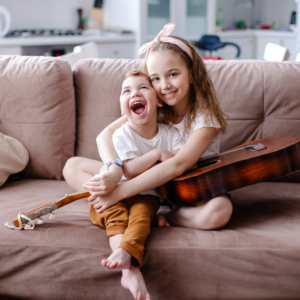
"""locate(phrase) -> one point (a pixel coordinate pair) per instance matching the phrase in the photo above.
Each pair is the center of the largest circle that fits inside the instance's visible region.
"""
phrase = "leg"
(132, 278)
(79, 170)
(141, 212)
(140, 215)
(205, 215)
(120, 258)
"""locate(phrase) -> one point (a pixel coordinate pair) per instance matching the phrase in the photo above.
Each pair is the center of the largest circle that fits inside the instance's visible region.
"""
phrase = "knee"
(70, 167)
(218, 213)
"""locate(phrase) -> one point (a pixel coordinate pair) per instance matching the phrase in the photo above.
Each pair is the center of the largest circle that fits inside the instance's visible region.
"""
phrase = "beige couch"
(57, 114)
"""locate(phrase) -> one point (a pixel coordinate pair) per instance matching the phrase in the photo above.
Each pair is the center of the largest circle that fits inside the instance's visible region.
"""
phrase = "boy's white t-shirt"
(130, 144)
(213, 148)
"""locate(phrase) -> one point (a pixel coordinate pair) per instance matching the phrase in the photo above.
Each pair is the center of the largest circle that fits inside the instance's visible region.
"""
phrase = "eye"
(173, 74)
(144, 87)
(154, 79)
(126, 91)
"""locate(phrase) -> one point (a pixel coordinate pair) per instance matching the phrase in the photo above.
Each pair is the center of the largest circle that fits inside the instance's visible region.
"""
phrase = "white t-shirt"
(130, 144)
(213, 148)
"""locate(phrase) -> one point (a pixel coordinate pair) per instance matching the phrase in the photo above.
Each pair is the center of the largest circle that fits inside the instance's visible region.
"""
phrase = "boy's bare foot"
(119, 259)
(132, 280)
(161, 221)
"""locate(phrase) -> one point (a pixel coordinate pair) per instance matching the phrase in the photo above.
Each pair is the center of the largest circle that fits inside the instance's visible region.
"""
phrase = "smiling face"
(139, 101)
(170, 78)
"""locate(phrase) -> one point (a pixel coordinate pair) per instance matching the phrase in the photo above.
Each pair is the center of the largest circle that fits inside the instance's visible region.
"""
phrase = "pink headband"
(163, 36)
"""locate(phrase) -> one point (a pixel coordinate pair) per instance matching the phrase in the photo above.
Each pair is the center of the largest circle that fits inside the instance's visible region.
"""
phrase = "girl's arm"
(188, 155)
(107, 181)
(104, 140)
(136, 166)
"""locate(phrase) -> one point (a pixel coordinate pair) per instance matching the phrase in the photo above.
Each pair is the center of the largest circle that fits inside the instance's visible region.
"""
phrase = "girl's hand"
(104, 183)
(101, 203)
(164, 154)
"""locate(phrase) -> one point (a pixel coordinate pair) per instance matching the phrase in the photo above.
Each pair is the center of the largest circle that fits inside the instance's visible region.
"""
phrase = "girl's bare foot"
(132, 280)
(161, 221)
(119, 259)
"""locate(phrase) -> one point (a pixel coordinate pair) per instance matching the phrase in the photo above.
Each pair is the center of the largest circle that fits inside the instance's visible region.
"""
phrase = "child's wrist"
(157, 154)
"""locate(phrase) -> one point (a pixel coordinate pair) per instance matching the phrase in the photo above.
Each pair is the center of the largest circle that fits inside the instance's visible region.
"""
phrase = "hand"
(104, 183)
(101, 203)
(164, 154)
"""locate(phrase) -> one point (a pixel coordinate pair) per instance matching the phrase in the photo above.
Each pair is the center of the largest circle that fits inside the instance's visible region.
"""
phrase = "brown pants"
(131, 217)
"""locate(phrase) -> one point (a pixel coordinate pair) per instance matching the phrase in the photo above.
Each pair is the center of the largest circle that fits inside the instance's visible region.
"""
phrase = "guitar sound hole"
(206, 164)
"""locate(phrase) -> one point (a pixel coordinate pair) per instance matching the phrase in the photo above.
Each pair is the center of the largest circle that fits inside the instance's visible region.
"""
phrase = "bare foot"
(119, 259)
(161, 221)
(132, 280)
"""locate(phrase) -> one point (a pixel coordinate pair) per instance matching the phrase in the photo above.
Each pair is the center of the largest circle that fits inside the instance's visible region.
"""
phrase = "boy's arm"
(138, 165)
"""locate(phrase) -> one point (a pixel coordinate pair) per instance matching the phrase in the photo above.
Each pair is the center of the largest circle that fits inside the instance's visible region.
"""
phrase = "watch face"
(119, 162)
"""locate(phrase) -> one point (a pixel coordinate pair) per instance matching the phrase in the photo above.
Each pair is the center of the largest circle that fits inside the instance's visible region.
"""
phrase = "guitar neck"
(50, 207)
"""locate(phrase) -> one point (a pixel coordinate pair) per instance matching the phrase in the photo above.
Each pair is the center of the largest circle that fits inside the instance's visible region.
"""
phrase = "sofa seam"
(61, 117)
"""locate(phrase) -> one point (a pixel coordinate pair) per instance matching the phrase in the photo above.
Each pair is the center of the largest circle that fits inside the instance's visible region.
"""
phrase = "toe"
(104, 262)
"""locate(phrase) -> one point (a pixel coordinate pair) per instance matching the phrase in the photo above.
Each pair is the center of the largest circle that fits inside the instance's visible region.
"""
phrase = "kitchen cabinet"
(193, 18)
(15, 50)
(253, 43)
(116, 50)
(109, 45)
(288, 42)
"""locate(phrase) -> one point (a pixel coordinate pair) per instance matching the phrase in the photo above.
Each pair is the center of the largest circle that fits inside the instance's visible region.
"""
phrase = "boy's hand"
(104, 183)
(164, 154)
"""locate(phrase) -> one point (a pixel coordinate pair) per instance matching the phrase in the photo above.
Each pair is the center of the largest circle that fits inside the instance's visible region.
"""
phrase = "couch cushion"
(37, 107)
(256, 256)
(98, 88)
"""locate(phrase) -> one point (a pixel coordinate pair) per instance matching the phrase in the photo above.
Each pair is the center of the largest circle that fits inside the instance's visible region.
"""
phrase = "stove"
(43, 32)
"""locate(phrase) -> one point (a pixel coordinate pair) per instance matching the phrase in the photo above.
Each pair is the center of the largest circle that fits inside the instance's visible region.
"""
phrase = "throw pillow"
(14, 157)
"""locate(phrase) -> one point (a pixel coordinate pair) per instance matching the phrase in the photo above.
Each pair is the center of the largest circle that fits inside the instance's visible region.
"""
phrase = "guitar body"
(231, 171)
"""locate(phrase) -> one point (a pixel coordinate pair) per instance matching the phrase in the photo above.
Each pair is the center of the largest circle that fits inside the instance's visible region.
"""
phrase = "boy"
(140, 143)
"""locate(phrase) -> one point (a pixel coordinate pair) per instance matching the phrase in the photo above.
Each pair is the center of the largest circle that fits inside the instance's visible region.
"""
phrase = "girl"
(181, 81)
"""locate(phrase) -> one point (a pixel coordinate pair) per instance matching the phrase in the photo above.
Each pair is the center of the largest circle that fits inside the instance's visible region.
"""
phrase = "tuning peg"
(28, 226)
(51, 215)
(40, 221)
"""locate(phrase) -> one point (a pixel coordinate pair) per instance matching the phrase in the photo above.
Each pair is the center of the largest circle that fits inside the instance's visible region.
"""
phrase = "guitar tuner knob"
(40, 221)
(28, 226)
(51, 215)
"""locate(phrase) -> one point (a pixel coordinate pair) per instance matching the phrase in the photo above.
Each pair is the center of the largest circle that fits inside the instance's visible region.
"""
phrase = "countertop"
(257, 33)
(67, 40)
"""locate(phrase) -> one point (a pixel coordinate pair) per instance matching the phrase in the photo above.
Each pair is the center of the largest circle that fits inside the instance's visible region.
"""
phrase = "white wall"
(277, 10)
(266, 11)
(45, 13)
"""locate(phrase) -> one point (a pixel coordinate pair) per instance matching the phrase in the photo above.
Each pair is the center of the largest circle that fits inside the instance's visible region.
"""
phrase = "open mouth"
(138, 107)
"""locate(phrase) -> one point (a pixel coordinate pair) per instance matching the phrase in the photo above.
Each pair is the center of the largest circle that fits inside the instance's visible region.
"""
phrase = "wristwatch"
(116, 161)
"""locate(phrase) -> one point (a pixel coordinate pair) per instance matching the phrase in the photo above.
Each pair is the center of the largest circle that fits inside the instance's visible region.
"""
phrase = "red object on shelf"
(211, 57)
(265, 26)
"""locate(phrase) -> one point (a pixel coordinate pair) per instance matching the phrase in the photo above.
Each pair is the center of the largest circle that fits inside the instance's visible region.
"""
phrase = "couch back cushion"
(97, 91)
(37, 107)
(260, 98)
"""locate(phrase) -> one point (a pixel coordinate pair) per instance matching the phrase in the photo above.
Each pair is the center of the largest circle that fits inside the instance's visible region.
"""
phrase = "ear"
(159, 103)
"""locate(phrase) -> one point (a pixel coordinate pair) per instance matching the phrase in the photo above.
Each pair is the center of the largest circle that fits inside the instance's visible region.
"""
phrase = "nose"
(165, 84)
(136, 93)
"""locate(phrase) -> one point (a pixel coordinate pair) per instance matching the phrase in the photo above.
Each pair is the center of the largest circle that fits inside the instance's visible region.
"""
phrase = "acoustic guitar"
(253, 162)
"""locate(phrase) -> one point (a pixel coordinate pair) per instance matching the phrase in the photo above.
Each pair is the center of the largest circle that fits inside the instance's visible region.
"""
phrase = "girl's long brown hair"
(202, 98)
